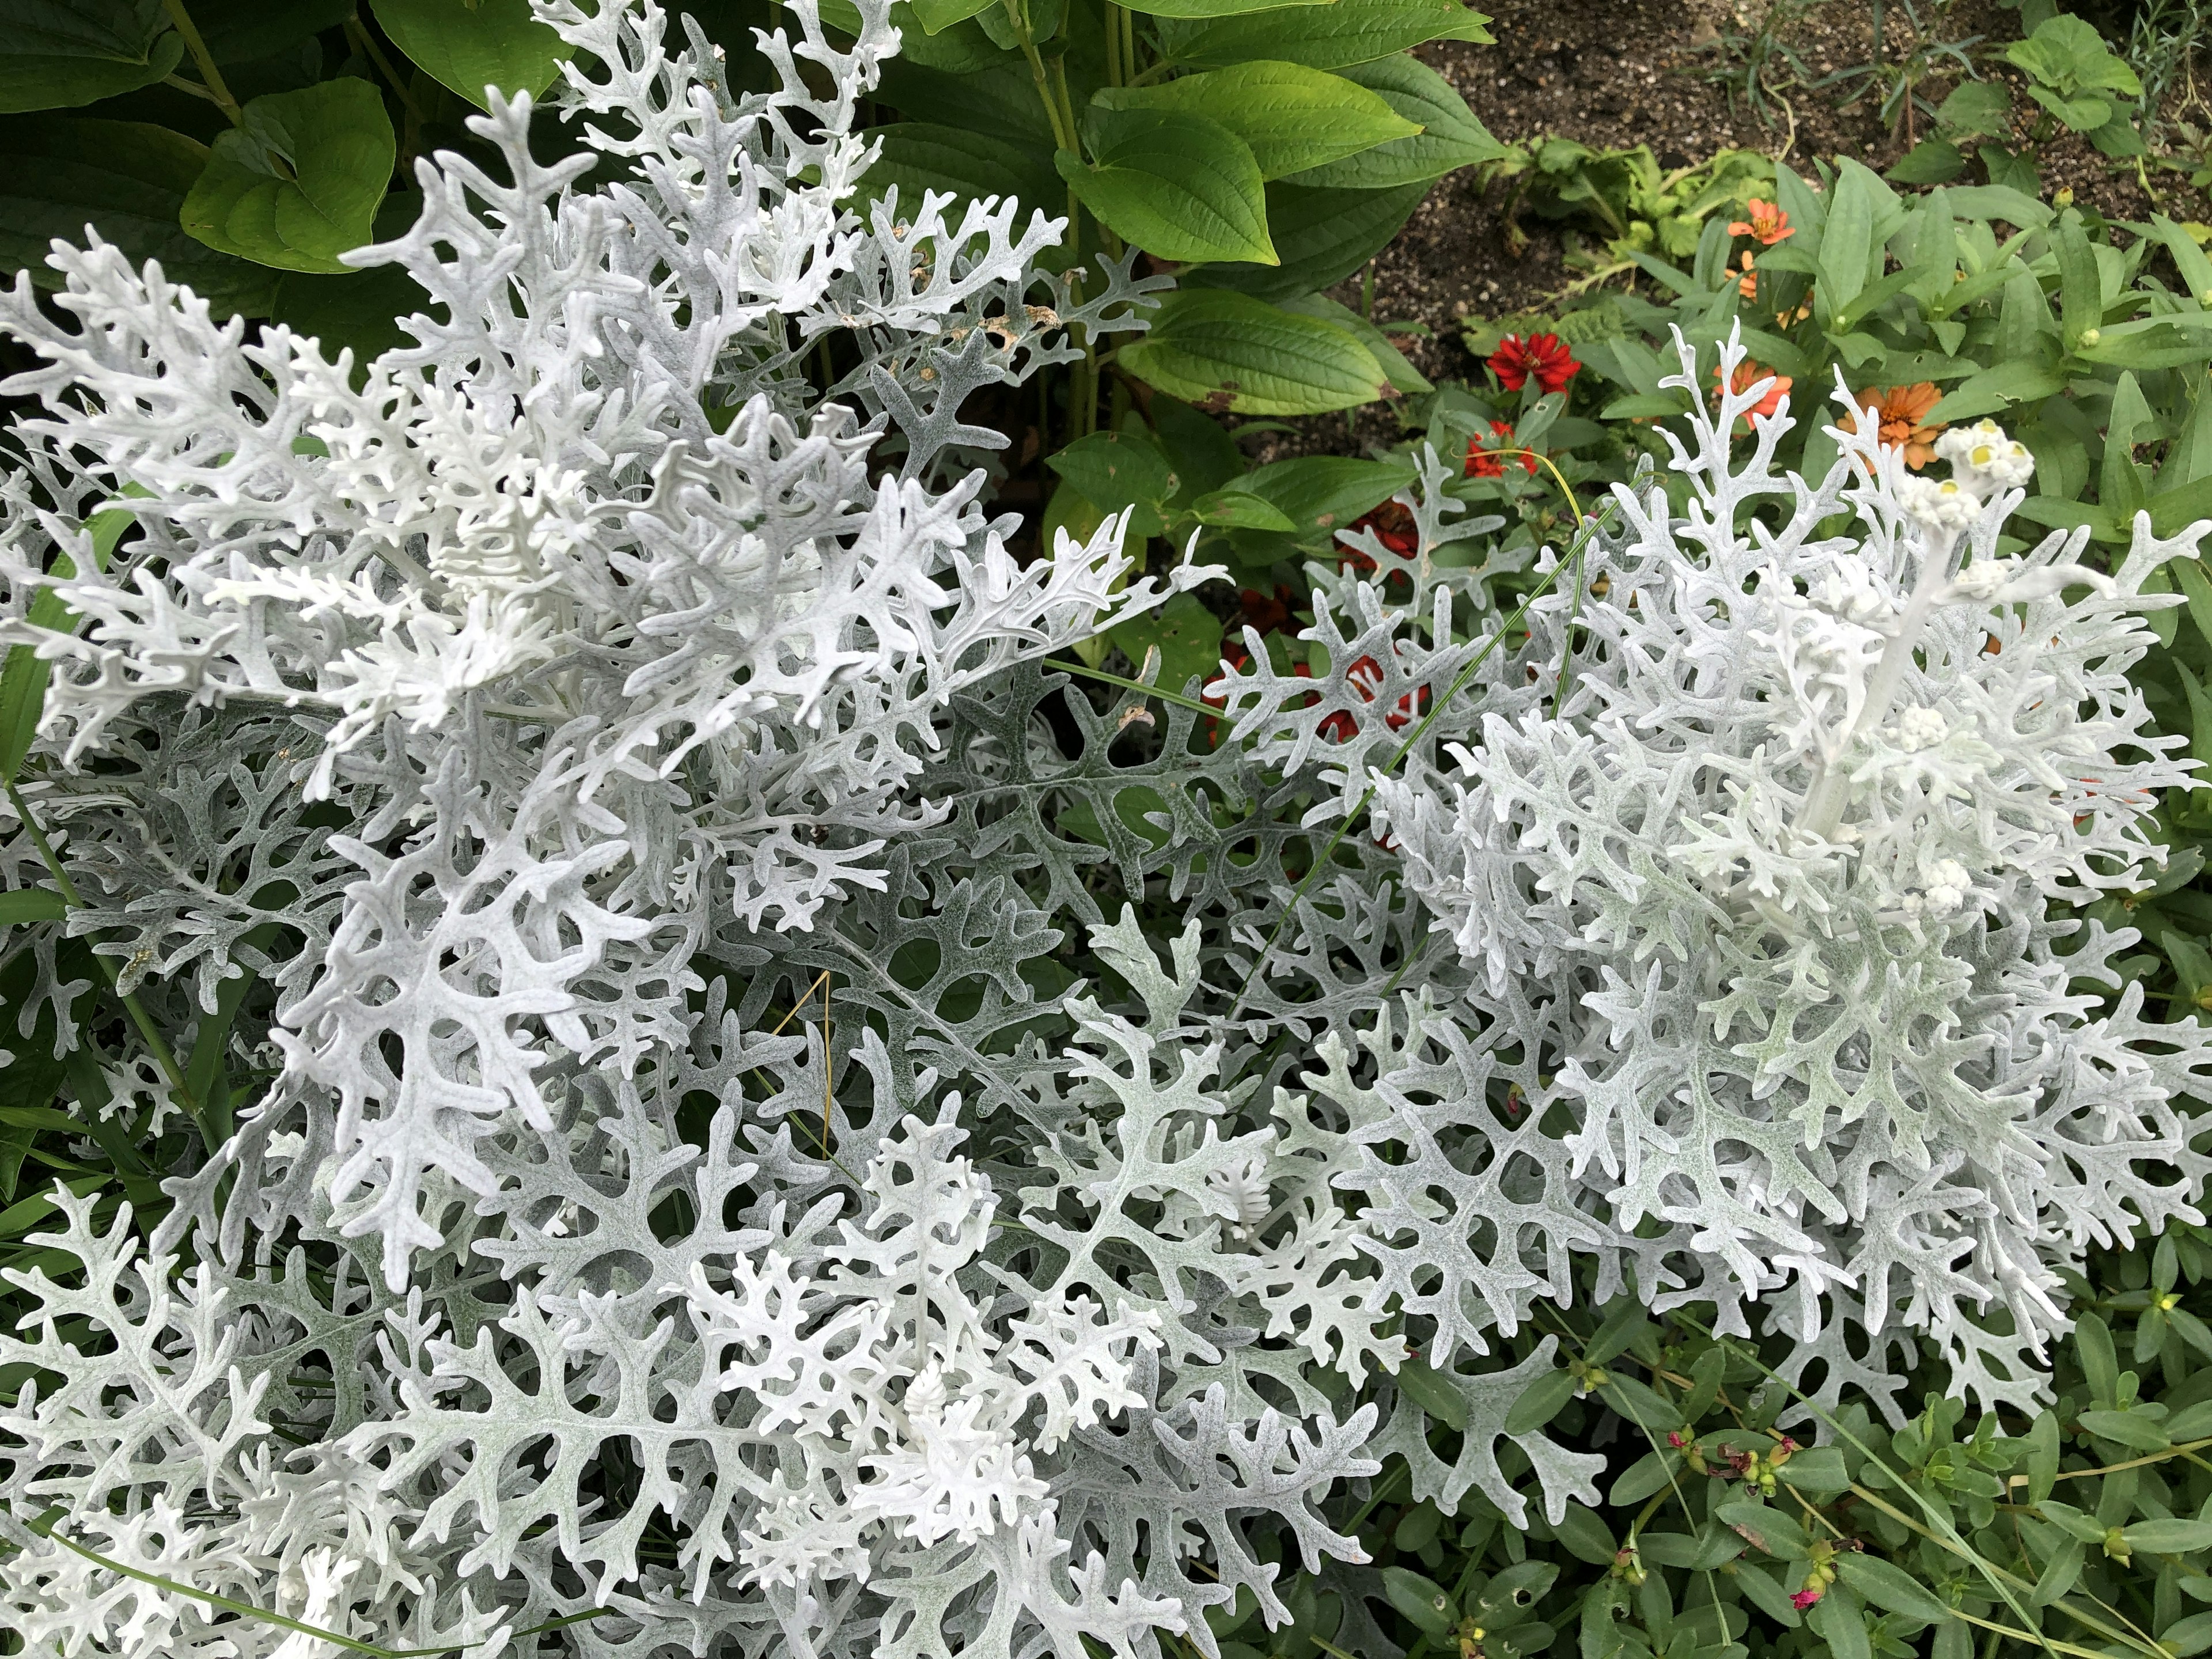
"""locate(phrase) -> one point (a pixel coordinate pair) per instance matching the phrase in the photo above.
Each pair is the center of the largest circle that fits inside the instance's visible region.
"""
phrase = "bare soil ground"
(1614, 73)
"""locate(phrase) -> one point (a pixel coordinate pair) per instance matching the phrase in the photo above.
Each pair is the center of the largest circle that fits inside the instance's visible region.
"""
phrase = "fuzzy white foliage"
(1771, 892)
(624, 667)
(533, 1287)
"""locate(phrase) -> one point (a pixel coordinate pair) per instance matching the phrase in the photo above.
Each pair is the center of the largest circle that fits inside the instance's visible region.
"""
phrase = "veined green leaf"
(1449, 136)
(1292, 118)
(1226, 352)
(1179, 186)
(1330, 233)
(55, 54)
(1329, 37)
(60, 174)
(491, 43)
(300, 184)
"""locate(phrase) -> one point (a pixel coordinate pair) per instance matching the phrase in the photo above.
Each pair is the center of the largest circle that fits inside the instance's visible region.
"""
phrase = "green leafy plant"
(1261, 152)
(246, 146)
(1624, 197)
(2076, 83)
(1741, 1516)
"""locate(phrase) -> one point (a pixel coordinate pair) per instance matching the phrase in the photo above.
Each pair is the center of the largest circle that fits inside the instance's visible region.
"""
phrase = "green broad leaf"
(1851, 250)
(2100, 1366)
(1290, 117)
(301, 182)
(2200, 717)
(1330, 233)
(31, 904)
(469, 47)
(2000, 203)
(2066, 53)
(1422, 1599)
(14, 1146)
(1179, 186)
(2118, 138)
(2059, 1573)
(2187, 1636)
(920, 155)
(936, 17)
(1403, 374)
(2042, 1456)
(2080, 285)
(961, 48)
(1975, 109)
(2128, 1428)
(60, 174)
(1886, 1584)
(241, 31)
(1931, 161)
(1204, 456)
(999, 99)
(1187, 635)
(1838, 1619)
(1199, 10)
(1817, 1469)
(1449, 136)
(2071, 1521)
(56, 54)
(2145, 343)
(1436, 1398)
(1642, 405)
(1540, 1402)
(1997, 388)
(1586, 1536)
(1321, 495)
(2189, 258)
(2172, 511)
(1767, 1528)
(1240, 509)
(2170, 1537)
(23, 673)
(1649, 1475)
(1330, 37)
(2081, 113)
(1117, 470)
(359, 312)
(1227, 353)
(1760, 1589)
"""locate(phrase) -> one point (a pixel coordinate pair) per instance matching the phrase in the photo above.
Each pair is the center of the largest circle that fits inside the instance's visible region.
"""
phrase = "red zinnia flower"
(1483, 463)
(1394, 527)
(1803, 1599)
(1544, 355)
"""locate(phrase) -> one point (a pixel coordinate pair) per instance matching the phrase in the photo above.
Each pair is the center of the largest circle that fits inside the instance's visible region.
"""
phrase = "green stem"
(171, 1072)
(1063, 132)
(43, 1526)
(1175, 697)
(366, 43)
(217, 92)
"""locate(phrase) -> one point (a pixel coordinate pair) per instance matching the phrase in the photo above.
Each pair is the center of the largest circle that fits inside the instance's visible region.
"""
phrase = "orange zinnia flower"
(1748, 284)
(1768, 224)
(1903, 412)
(1749, 374)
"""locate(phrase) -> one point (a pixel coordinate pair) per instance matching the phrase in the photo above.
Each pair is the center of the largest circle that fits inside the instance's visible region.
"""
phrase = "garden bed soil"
(1615, 73)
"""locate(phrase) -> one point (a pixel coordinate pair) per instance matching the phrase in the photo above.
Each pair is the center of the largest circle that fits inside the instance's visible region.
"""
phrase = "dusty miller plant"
(519, 737)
